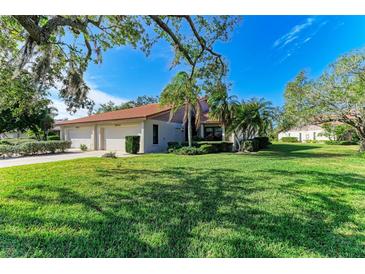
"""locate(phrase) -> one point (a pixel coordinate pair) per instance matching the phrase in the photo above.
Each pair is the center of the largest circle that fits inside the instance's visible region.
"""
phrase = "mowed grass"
(292, 200)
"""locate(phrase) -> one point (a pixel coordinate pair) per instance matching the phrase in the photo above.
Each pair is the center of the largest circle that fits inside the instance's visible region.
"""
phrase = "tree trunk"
(236, 140)
(190, 132)
(362, 144)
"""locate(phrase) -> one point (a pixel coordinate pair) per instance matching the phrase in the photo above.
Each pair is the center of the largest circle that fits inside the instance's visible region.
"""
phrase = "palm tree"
(221, 106)
(251, 118)
(183, 92)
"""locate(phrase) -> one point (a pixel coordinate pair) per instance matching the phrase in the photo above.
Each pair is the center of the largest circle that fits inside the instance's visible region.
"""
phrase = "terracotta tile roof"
(131, 113)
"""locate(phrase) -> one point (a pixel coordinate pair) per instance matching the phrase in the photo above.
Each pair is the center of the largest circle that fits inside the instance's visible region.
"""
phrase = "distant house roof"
(145, 111)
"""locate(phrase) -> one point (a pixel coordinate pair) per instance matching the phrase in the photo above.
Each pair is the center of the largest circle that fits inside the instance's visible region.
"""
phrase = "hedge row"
(202, 147)
(33, 148)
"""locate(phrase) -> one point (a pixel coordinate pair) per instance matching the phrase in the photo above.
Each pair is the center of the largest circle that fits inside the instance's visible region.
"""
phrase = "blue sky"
(265, 52)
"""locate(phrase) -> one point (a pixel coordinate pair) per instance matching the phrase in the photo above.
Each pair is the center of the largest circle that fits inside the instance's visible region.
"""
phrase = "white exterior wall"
(114, 136)
(167, 132)
(79, 135)
(304, 135)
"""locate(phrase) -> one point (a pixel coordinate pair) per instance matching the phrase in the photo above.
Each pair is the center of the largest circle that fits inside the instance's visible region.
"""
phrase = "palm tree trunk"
(190, 131)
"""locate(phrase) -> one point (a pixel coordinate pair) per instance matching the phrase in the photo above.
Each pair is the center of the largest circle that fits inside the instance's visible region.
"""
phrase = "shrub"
(42, 147)
(173, 145)
(250, 145)
(205, 149)
(263, 141)
(188, 151)
(289, 139)
(109, 154)
(83, 147)
(5, 142)
(7, 150)
(219, 146)
(33, 148)
(132, 144)
(53, 138)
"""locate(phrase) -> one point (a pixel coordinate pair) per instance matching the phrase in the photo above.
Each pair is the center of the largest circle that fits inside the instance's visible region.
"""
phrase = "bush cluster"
(202, 147)
(263, 142)
(188, 151)
(33, 148)
(255, 144)
(83, 147)
(132, 144)
(289, 139)
(252, 145)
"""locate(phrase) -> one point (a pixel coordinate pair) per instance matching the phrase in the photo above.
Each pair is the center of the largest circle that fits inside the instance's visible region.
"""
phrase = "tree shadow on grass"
(175, 212)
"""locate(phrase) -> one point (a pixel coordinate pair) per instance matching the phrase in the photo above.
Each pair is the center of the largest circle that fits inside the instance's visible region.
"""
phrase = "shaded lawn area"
(292, 200)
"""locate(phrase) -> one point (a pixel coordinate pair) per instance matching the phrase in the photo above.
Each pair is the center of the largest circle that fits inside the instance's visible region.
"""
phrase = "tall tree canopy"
(56, 50)
(337, 95)
(22, 105)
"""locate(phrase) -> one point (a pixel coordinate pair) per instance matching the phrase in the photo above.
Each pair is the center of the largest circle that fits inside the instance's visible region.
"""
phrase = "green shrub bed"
(33, 148)
(201, 147)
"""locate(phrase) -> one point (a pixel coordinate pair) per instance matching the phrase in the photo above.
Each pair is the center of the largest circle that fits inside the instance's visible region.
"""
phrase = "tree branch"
(176, 40)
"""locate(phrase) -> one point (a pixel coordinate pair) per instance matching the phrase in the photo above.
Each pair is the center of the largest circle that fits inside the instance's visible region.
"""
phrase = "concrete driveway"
(69, 155)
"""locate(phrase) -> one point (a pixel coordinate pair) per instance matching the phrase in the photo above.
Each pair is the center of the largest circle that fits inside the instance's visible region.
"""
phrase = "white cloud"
(299, 35)
(293, 34)
(98, 96)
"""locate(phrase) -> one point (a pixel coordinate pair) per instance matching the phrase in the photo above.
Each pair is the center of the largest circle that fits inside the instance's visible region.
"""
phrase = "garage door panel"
(115, 137)
(80, 136)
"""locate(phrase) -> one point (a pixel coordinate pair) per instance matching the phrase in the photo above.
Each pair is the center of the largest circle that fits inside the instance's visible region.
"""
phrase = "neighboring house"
(305, 133)
(107, 131)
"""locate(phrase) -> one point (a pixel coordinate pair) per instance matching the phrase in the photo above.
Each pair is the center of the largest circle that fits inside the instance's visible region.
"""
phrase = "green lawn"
(295, 200)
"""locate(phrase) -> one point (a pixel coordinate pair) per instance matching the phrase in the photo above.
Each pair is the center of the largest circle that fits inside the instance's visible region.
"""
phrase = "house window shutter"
(155, 134)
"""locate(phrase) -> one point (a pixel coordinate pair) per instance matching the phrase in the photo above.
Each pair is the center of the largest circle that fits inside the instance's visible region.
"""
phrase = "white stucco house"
(305, 133)
(107, 131)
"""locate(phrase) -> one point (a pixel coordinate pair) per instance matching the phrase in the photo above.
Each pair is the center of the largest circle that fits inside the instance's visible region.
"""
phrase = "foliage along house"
(107, 131)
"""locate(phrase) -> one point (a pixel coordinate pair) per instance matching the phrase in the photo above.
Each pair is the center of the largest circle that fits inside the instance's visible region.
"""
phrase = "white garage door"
(115, 136)
(80, 136)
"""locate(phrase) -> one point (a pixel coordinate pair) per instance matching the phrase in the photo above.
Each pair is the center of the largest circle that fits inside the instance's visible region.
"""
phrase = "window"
(155, 134)
(213, 133)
